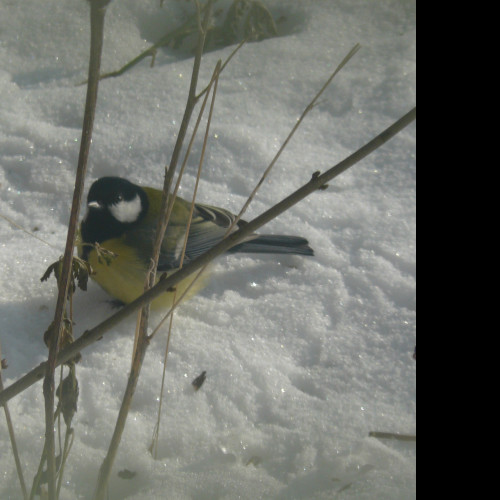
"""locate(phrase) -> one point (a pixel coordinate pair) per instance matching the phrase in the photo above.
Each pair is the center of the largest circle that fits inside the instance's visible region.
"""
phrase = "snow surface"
(304, 356)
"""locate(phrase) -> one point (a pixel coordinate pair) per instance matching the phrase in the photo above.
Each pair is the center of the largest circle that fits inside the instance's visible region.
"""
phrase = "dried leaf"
(66, 333)
(53, 268)
(68, 393)
(80, 272)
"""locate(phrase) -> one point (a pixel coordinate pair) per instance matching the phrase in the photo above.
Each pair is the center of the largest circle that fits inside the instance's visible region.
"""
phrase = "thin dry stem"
(12, 437)
(142, 339)
(97, 13)
(226, 62)
(36, 480)
(68, 443)
(412, 438)
(152, 50)
(309, 107)
(170, 170)
(15, 224)
(156, 431)
(168, 199)
(214, 79)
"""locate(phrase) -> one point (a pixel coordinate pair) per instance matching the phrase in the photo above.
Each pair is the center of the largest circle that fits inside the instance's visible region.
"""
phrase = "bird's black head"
(114, 205)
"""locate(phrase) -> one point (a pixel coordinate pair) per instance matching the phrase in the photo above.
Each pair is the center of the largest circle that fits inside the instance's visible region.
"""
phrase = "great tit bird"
(122, 217)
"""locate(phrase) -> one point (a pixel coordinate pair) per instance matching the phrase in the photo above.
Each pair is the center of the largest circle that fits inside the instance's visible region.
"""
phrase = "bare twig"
(38, 476)
(223, 67)
(311, 105)
(392, 435)
(168, 199)
(316, 182)
(12, 436)
(68, 443)
(187, 28)
(214, 82)
(142, 341)
(15, 224)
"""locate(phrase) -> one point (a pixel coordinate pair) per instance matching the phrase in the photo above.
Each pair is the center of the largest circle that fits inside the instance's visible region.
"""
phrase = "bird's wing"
(208, 227)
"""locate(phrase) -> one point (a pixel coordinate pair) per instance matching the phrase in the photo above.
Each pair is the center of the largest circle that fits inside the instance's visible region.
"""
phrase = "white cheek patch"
(127, 211)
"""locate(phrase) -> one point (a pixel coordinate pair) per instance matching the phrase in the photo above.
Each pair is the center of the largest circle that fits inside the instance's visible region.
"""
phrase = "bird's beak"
(94, 204)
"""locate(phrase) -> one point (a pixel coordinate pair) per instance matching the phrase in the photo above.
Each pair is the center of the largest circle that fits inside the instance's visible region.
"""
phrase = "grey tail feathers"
(293, 245)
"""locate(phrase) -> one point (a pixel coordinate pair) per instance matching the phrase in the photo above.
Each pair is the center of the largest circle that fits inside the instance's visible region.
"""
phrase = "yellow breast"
(124, 276)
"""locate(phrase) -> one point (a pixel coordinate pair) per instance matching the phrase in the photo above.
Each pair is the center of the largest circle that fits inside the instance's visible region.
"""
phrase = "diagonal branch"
(316, 182)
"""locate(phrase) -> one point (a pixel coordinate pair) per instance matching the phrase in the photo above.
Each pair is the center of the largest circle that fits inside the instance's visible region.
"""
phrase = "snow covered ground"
(304, 356)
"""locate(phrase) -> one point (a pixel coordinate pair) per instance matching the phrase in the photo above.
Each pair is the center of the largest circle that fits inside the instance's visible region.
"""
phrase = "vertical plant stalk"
(214, 82)
(36, 480)
(168, 199)
(68, 443)
(97, 13)
(142, 340)
(12, 436)
(192, 100)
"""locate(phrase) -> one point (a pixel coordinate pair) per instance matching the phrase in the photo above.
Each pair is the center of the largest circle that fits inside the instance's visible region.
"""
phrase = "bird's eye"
(118, 198)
